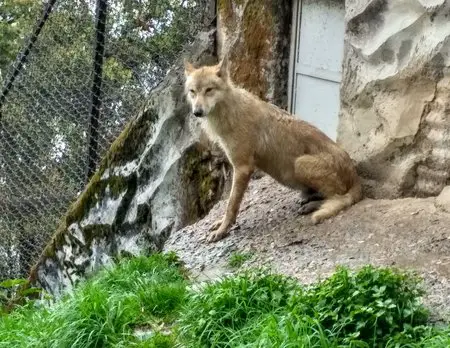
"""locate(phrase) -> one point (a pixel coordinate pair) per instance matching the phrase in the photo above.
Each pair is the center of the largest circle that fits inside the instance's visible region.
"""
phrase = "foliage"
(374, 307)
(14, 292)
(158, 340)
(236, 260)
(103, 311)
(16, 20)
(365, 309)
(213, 314)
(371, 305)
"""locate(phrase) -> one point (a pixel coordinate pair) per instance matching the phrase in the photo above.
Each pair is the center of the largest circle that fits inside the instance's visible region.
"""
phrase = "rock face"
(395, 95)
(156, 178)
(443, 200)
(256, 34)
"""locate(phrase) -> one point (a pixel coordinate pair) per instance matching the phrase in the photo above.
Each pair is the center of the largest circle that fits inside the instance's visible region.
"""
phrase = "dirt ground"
(406, 233)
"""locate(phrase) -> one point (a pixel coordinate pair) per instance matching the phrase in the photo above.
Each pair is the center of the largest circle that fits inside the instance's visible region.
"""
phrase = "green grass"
(214, 315)
(103, 311)
(374, 307)
(236, 259)
(370, 308)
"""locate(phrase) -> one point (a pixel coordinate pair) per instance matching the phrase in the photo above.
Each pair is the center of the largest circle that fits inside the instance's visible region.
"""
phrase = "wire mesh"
(46, 120)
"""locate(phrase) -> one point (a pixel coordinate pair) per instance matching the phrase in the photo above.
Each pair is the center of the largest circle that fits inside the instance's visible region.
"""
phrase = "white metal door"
(317, 68)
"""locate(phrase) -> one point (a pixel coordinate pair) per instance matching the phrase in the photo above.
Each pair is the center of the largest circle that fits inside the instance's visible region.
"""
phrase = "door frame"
(295, 35)
(293, 45)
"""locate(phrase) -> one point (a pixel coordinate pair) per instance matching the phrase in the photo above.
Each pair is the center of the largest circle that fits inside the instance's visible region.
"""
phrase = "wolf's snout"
(198, 112)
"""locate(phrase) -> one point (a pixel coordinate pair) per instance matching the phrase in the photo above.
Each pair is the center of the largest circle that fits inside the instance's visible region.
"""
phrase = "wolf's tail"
(333, 205)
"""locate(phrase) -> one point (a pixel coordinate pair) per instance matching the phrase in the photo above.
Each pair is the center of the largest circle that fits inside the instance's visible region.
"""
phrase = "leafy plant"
(236, 259)
(368, 308)
(158, 341)
(14, 292)
(370, 305)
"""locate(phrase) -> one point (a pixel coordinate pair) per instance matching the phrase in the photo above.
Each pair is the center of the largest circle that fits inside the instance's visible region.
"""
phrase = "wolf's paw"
(216, 224)
(309, 207)
(317, 219)
(216, 235)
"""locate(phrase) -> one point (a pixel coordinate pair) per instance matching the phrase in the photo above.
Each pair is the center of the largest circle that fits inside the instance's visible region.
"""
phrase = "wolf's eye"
(191, 91)
(208, 90)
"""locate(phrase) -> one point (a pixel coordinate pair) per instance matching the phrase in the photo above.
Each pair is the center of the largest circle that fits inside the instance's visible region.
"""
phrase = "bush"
(213, 315)
(368, 308)
(370, 305)
(374, 307)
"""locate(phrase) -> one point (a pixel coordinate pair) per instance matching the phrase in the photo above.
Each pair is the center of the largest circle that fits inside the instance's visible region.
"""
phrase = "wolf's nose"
(198, 113)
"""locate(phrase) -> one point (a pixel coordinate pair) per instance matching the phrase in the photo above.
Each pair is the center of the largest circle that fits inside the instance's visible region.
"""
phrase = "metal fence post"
(93, 154)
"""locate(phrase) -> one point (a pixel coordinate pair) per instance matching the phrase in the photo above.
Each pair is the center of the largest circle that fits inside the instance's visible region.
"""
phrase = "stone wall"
(256, 34)
(395, 95)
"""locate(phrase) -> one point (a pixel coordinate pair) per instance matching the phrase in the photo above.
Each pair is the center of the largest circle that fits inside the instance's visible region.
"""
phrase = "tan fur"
(256, 134)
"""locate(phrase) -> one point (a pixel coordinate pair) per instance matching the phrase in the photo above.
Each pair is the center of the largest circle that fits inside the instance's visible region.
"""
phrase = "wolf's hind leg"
(318, 173)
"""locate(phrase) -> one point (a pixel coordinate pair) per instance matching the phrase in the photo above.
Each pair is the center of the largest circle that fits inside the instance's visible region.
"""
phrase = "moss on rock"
(252, 52)
(95, 190)
(226, 7)
(200, 171)
(56, 241)
(127, 146)
(95, 232)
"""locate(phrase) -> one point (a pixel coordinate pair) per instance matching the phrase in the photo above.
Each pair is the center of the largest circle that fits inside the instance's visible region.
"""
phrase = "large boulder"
(157, 177)
(395, 94)
(256, 34)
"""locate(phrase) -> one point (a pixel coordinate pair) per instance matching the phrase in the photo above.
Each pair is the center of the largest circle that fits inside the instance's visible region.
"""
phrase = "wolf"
(255, 134)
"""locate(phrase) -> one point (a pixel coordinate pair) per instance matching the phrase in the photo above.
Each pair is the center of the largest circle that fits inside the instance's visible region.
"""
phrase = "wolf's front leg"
(241, 177)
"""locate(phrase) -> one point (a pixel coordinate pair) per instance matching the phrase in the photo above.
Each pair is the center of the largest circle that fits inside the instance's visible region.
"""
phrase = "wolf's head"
(206, 86)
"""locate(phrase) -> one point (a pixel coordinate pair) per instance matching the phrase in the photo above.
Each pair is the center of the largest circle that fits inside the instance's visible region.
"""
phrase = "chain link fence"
(77, 79)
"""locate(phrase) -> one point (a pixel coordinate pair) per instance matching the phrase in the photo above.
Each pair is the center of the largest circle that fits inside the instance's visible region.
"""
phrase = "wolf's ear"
(222, 68)
(188, 68)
